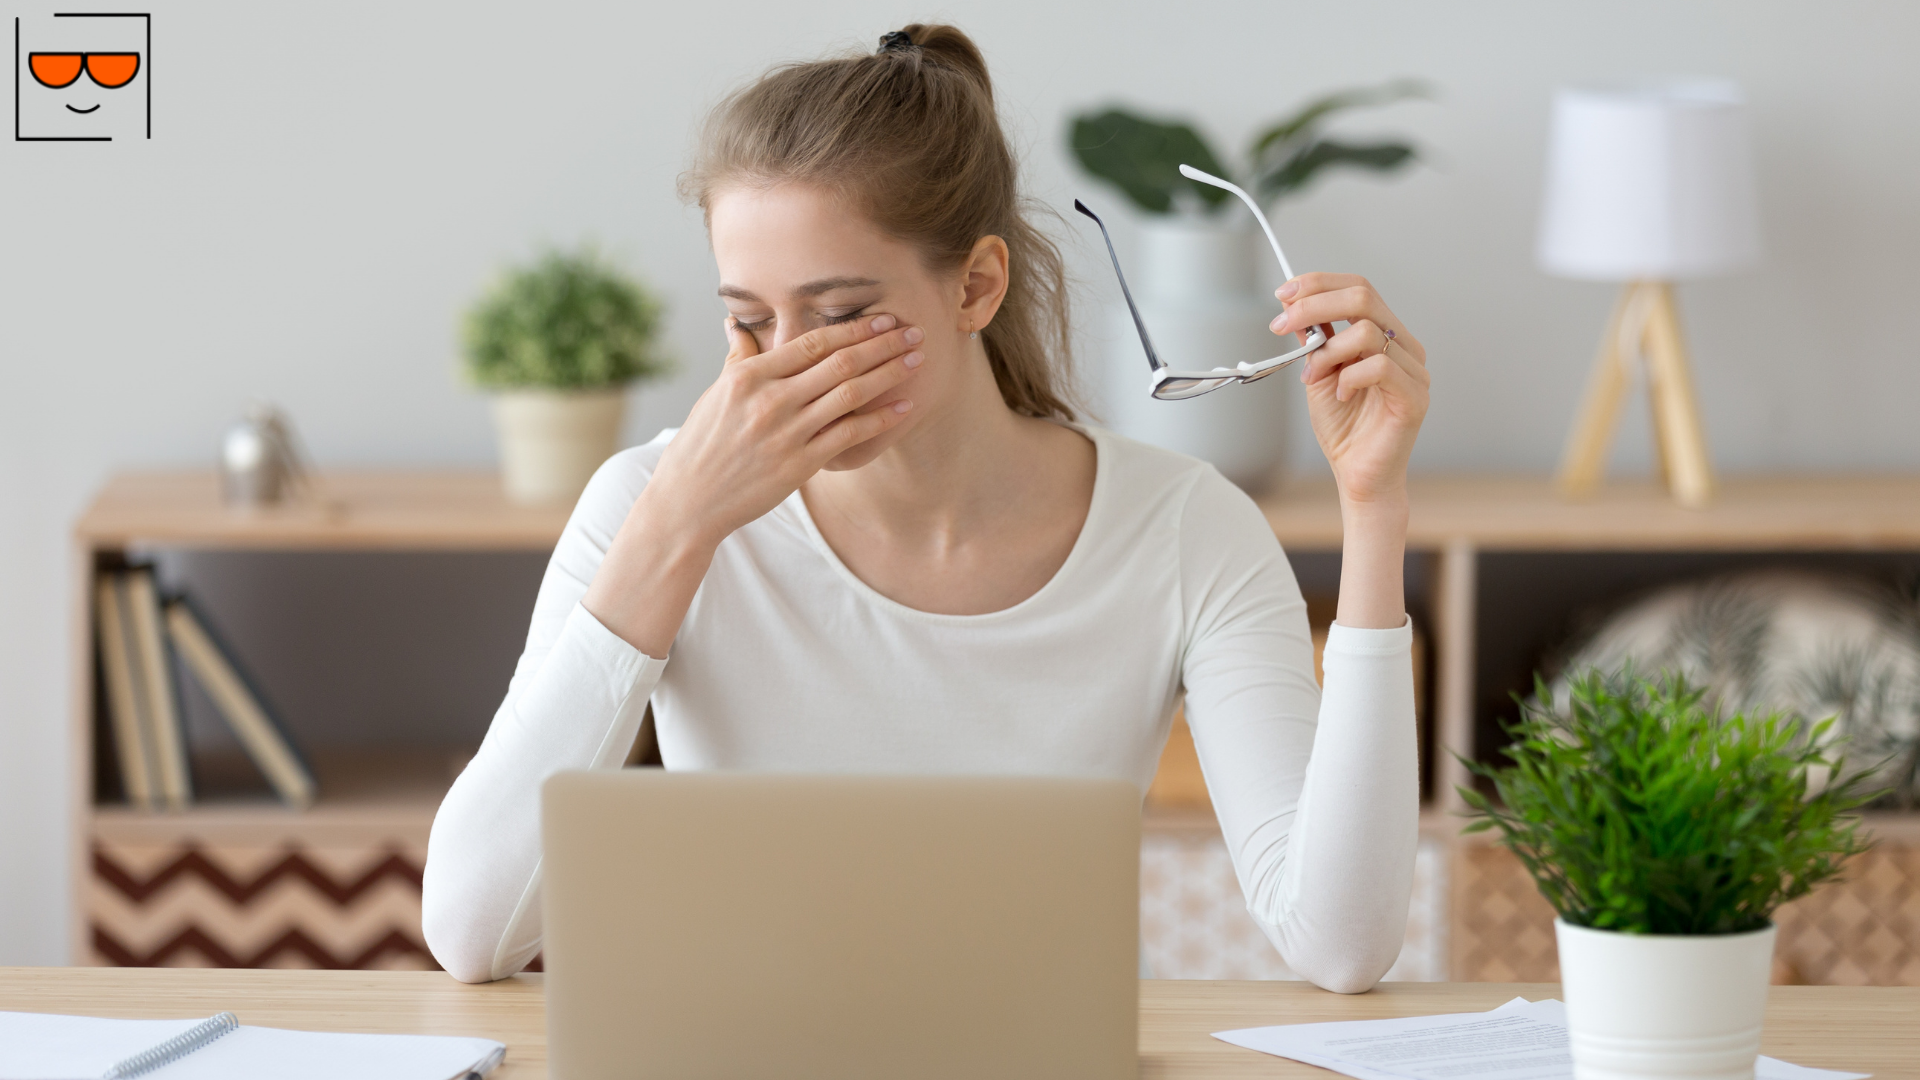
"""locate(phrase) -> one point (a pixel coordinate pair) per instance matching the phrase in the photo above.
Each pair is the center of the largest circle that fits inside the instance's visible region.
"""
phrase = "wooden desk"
(1863, 1029)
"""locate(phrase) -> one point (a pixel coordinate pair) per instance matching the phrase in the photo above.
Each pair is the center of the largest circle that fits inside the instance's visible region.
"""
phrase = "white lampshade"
(1649, 181)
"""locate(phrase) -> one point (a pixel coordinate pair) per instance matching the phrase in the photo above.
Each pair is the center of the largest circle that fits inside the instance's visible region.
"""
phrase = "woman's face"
(793, 259)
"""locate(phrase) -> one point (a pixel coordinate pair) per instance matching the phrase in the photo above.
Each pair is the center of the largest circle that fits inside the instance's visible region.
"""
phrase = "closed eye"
(827, 317)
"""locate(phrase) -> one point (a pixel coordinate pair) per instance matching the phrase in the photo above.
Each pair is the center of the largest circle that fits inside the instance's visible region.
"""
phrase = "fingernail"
(913, 335)
(1279, 321)
(882, 324)
(912, 359)
(1285, 292)
(902, 406)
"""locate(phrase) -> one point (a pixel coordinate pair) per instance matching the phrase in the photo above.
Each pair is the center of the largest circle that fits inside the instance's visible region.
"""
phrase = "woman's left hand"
(1366, 391)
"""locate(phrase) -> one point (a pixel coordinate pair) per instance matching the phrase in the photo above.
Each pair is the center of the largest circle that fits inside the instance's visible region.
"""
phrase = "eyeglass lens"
(1176, 389)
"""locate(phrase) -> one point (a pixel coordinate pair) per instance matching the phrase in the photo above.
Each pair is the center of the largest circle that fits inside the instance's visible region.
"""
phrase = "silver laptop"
(709, 925)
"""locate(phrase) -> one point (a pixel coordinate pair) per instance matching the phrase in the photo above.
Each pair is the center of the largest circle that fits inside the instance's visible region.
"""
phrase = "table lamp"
(1647, 184)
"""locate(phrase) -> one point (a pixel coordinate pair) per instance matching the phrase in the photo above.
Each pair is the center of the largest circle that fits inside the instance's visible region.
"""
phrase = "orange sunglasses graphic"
(109, 71)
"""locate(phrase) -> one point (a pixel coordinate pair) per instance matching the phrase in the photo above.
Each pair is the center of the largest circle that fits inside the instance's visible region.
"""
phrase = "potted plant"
(1665, 834)
(1204, 293)
(556, 343)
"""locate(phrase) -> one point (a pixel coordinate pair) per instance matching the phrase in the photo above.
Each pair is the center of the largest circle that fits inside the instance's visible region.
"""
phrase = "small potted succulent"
(1666, 834)
(556, 343)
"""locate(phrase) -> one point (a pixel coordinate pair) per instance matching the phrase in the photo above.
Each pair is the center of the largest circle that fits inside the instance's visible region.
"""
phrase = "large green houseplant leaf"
(1142, 156)
(1292, 152)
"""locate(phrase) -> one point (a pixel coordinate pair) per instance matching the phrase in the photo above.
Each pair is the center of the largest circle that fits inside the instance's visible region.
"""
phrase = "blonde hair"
(910, 137)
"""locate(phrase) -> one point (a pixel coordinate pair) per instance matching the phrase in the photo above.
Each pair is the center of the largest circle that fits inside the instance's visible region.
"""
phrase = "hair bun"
(948, 46)
(894, 40)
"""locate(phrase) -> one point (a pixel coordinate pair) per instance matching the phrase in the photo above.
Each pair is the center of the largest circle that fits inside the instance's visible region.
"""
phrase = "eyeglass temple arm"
(1192, 173)
(1153, 358)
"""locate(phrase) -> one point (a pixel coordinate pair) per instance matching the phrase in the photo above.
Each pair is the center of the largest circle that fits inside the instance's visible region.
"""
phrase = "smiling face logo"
(83, 77)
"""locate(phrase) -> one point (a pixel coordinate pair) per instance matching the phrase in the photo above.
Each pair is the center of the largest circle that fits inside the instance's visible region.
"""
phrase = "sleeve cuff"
(1356, 642)
(592, 637)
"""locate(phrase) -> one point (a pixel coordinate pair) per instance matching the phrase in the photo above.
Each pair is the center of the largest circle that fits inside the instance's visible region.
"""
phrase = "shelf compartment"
(366, 796)
(248, 882)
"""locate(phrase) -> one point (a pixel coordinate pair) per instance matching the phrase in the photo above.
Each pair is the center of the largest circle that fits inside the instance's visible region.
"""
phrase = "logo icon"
(83, 77)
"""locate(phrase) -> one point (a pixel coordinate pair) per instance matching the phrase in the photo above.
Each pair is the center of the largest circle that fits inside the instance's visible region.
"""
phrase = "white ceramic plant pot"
(1672, 1007)
(1206, 305)
(551, 441)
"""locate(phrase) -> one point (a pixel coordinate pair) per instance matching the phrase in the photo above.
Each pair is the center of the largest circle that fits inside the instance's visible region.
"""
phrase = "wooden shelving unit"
(343, 873)
(1458, 520)
(1466, 535)
(1502, 551)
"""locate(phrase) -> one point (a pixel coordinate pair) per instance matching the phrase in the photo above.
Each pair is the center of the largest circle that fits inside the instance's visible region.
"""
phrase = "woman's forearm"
(647, 581)
(1373, 551)
(576, 703)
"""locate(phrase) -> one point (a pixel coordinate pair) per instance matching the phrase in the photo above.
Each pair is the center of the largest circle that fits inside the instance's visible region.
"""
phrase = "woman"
(880, 543)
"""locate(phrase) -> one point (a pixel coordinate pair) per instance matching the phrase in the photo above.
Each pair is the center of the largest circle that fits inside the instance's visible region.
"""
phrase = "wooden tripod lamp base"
(1645, 326)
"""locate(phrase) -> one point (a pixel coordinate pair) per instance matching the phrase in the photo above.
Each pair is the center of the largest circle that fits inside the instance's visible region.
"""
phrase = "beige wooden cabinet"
(1496, 568)
(252, 883)
(1499, 570)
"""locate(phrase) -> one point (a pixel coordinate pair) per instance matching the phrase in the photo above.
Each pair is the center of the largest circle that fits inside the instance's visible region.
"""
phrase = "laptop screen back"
(759, 925)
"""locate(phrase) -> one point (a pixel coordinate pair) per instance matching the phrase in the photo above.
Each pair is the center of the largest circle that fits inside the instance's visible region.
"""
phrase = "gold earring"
(971, 333)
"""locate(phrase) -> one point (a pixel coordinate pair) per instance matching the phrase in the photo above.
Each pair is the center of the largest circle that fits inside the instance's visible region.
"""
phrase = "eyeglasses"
(1171, 385)
(110, 71)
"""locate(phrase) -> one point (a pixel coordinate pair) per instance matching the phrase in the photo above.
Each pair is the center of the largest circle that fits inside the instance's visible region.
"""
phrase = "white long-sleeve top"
(787, 661)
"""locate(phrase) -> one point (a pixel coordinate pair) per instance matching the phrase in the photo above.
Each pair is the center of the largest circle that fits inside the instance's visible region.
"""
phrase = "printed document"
(1521, 1040)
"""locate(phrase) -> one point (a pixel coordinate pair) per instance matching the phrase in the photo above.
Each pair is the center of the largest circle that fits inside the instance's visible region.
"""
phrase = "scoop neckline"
(1075, 555)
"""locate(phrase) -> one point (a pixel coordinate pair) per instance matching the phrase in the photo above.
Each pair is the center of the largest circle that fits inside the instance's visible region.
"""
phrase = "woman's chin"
(855, 457)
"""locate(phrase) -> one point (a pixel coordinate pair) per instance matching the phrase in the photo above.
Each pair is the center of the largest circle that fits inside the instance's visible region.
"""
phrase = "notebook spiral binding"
(487, 1064)
(175, 1048)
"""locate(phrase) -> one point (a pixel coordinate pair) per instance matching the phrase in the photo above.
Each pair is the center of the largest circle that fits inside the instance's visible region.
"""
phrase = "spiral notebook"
(44, 1046)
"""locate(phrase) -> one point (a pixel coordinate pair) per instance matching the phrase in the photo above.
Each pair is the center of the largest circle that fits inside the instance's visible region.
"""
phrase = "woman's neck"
(973, 512)
(951, 475)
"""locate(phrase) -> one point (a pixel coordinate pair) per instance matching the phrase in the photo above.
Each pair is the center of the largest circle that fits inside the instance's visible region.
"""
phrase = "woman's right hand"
(766, 425)
(772, 419)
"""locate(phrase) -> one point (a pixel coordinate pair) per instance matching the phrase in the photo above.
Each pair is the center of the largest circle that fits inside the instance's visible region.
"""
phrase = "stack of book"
(139, 634)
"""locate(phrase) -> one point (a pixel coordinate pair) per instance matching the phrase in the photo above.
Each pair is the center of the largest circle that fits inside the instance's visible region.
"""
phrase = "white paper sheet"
(43, 1046)
(255, 1052)
(1520, 1040)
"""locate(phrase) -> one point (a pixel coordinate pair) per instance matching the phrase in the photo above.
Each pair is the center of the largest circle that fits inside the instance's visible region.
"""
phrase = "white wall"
(327, 185)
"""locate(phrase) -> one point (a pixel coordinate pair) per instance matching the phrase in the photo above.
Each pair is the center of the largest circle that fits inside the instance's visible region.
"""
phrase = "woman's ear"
(983, 283)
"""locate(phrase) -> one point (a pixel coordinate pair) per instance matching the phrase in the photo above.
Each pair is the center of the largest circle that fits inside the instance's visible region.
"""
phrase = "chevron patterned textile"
(177, 905)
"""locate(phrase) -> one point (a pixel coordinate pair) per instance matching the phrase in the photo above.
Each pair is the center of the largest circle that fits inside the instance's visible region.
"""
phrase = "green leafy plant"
(569, 321)
(1640, 808)
(1142, 156)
